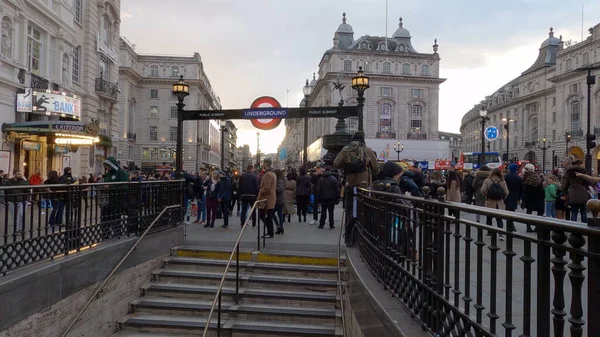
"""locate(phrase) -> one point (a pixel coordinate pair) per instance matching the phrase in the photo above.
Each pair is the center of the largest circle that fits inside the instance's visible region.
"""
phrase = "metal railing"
(437, 266)
(107, 89)
(45, 221)
(340, 279)
(100, 289)
(236, 251)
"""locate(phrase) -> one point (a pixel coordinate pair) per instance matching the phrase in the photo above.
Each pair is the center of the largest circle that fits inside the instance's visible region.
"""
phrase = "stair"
(275, 299)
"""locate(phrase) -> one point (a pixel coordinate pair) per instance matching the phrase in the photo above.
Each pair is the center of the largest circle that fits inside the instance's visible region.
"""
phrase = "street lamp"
(589, 137)
(223, 129)
(257, 149)
(398, 148)
(307, 90)
(567, 141)
(360, 83)
(484, 118)
(507, 127)
(544, 148)
(180, 90)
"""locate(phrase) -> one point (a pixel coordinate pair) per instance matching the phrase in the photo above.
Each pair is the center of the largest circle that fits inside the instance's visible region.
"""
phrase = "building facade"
(58, 84)
(243, 157)
(547, 101)
(230, 148)
(147, 132)
(403, 100)
(455, 141)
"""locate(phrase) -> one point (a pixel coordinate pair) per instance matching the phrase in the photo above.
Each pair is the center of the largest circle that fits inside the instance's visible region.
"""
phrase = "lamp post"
(544, 148)
(257, 149)
(484, 118)
(360, 83)
(398, 148)
(589, 136)
(307, 90)
(567, 141)
(180, 90)
(223, 130)
(507, 127)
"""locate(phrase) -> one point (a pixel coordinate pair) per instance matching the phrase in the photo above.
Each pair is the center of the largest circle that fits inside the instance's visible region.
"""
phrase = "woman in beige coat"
(453, 189)
(290, 196)
(495, 177)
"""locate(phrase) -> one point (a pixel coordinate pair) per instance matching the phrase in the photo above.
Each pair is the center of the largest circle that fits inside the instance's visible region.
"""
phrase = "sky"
(270, 47)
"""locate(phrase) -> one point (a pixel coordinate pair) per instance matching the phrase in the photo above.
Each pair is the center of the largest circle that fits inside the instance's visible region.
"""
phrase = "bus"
(470, 160)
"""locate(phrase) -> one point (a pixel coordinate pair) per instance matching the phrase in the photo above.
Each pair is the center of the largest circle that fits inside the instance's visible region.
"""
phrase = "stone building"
(230, 149)
(147, 132)
(455, 140)
(58, 84)
(548, 100)
(403, 101)
(243, 157)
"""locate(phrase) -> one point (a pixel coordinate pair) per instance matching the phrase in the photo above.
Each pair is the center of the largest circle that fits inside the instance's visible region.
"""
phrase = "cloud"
(140, 11)
(125, 15)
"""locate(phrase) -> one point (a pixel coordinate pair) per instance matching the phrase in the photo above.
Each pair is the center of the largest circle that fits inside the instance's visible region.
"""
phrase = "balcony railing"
(131, 136)
(530, 144)
(106, 89)
(596, 130)
(38, 82)
(386, 134)
(576, 133)
(416, 135)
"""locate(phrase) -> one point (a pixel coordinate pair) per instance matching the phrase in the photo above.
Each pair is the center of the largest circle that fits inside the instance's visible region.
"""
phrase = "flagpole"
(386, 25)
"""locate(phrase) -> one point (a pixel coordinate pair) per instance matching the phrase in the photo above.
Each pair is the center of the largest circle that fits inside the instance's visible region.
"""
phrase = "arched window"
(387, 68)
(568, 65)
(105, 30)
(154, 70)
(585, 58)
(575, 117)
(347, 65)
(425, 70)
(131, 117)
(385, 119)
(416, 118)
(7, 38)
(406, 69)
(533, 129)
(76, 61)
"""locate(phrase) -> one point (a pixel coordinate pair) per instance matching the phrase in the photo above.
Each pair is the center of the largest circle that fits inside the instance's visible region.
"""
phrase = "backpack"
(495, 192)
(354, 158)
(384, 185)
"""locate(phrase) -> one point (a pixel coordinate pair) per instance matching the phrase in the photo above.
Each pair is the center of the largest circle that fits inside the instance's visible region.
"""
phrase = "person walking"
(303, 188)
(280, 202)
(328, 193)
(210, 186)
(314, 180)
(533, 193)
(495, 191)
(224, 190)
(575, 189)
(551, 192)
(453, 190)
(16, 199)
(235, 197)
(467, 187)
(480, 176)
(248, 190)
(290, 195)
(267, 191)
(200, 197)
(515, 185)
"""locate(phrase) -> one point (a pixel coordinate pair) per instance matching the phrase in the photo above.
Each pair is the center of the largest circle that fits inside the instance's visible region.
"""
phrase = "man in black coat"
(515, 185)
(327, 193)
(248, 188)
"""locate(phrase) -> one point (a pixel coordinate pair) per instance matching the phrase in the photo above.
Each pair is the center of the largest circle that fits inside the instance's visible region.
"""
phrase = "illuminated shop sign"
(57, 103)
(76, 141)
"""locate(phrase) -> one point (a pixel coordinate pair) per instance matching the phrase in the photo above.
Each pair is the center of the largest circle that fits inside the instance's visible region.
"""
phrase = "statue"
(7, 33)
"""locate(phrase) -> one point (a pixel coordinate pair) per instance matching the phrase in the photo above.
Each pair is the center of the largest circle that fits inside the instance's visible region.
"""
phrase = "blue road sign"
(491, 133)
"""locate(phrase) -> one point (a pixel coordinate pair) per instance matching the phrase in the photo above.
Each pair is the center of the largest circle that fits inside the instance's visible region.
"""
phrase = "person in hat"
(224, 188)
(515, 185)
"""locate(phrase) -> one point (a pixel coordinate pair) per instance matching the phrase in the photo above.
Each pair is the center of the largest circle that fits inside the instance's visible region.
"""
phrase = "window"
(533, 127)
(553, 101)
(387, 68)
(154, 93)
(153, 132)
(417, 93)
(77, 10)
(105, 30)
(553, 135)
(173, 112)
(406, 69)
(568, 64)
(34, 49)
(385, 118)
(574, 88)
(425, 70)
(385, 91)
(367, 66)
(76, 60)
(7, 38)
(153, 111)
(154, 70)
(575, 117)
(174, 71)
(416, 115)
(352, 124)
(585, 58)
(104, 70)
(553, 116)
(347, 65)
(173, 134)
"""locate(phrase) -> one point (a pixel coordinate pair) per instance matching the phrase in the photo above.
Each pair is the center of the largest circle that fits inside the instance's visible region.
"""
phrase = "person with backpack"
(359, 163)
(480, 176)
(533, 193)
(495, 191)
(467, 188)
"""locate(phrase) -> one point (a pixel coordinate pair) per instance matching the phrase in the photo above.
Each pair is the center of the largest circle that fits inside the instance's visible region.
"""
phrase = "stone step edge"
(248, 277)
(250, 264)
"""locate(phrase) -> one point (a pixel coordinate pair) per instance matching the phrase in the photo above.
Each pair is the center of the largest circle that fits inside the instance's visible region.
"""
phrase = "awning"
(56, 128)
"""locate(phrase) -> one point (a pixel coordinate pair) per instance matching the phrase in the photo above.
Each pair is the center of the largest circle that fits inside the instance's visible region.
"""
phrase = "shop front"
(42, 146)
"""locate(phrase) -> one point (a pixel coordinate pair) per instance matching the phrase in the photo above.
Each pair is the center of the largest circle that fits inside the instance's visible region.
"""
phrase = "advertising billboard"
(56, 103)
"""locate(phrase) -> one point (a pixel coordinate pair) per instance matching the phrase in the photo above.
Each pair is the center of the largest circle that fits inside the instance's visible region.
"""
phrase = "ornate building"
(402, 102)
(58, 84)
(148, 124)
(548, 100)
(455, 141)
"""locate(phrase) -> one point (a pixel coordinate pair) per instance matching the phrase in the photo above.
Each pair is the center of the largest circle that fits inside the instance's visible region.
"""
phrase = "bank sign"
(51, 103)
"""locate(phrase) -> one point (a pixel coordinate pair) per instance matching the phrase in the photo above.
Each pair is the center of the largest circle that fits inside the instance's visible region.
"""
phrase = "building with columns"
(58, 84)
(147, 131)
(547, 101)
(402, 102)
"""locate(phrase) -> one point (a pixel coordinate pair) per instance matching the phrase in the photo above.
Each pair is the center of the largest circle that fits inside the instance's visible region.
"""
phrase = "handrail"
(236, 250)
(101, 288)
(340, 287)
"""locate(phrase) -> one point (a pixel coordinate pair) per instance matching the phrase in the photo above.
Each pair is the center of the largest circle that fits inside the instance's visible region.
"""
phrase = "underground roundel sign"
(265, 102)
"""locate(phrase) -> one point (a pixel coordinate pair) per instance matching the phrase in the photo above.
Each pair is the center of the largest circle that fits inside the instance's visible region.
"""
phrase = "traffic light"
(591, 141)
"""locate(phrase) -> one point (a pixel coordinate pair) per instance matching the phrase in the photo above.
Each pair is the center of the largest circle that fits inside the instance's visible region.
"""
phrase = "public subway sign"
(59, 104)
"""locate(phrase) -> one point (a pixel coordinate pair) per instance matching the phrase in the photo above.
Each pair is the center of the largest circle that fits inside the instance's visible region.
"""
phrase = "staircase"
(280, 295)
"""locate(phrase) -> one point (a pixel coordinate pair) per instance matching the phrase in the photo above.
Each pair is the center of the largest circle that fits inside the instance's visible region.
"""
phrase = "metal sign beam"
(265, 113)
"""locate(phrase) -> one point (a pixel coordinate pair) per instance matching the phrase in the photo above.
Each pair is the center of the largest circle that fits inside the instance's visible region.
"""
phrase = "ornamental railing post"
(593, 303)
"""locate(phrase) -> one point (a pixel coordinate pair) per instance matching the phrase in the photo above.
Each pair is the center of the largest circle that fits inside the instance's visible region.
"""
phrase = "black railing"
(106, 89)
(386, 135)
(45, 221)
(456, 281)
(576, 133)
(530, 144)
(416, 135)
(38, 82)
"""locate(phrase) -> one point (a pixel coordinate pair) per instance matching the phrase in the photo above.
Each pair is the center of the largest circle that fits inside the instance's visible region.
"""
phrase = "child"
(551, 195)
